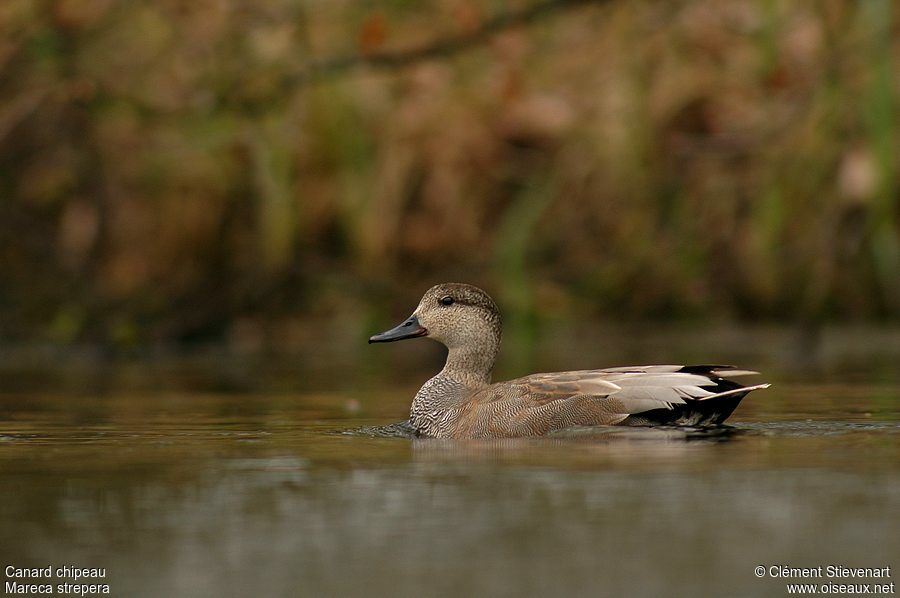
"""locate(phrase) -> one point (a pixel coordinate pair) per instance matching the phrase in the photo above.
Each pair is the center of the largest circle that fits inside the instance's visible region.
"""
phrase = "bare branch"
(391, 59)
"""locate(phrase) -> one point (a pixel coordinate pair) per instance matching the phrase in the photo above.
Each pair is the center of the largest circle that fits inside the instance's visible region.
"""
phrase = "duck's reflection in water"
(591, 447)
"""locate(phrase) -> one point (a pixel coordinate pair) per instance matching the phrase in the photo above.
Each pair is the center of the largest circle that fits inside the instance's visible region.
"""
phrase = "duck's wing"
(712, 372)
(628, 390)
(610, 396)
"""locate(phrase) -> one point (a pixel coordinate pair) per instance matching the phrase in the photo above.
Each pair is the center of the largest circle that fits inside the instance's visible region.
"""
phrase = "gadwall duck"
(461, 402)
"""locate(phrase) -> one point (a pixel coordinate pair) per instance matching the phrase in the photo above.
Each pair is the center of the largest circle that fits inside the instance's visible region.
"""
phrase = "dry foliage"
(170, 170)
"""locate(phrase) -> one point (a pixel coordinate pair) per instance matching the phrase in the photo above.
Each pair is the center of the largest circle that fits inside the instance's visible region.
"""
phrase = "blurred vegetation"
(212, 170)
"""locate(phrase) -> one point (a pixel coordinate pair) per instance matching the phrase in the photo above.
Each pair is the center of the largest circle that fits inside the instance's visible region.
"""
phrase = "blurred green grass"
(161, 183)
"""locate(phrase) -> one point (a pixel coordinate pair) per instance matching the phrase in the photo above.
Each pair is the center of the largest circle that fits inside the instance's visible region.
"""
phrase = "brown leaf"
(373, 33)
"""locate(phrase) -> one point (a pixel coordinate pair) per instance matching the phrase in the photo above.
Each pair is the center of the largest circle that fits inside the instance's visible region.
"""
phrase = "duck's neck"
(467, 369)
(471, 366)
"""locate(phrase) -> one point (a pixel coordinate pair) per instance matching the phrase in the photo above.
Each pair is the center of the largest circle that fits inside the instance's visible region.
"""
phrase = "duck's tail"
(710, 410)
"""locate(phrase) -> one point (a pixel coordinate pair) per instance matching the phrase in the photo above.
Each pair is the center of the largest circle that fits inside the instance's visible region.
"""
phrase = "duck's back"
(642, 395)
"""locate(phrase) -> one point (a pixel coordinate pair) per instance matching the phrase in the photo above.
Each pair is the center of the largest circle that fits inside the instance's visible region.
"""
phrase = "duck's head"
(454, 314)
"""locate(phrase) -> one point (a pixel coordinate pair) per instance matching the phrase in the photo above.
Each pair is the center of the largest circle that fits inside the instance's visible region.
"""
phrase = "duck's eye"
(448, 300)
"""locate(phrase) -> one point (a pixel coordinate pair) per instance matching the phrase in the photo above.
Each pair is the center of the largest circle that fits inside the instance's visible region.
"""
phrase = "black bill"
(410, 328)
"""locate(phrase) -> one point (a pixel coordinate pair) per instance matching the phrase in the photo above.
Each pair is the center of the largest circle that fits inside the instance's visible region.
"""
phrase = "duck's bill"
(410, 328)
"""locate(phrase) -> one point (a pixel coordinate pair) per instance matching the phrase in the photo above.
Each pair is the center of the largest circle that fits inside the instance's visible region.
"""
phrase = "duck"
(461, 401)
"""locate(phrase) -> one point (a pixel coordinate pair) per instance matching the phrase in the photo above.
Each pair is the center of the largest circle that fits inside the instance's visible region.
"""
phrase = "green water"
(188, 493)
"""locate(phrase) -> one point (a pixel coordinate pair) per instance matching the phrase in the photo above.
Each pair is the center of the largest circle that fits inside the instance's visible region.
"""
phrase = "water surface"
(186, 493)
